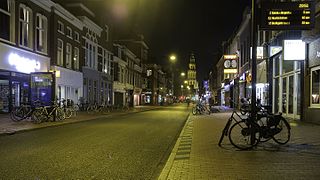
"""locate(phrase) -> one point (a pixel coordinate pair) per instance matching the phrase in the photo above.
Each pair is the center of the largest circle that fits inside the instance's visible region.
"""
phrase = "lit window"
(60, 53)
(68, 56)
(25, 29)
(76, 58)
(69, 32)
(315, 87)
(41, 33)
(60, 27)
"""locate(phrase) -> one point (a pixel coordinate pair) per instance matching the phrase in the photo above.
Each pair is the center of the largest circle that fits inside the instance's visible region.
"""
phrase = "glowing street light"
(173, 58)
(183, 74)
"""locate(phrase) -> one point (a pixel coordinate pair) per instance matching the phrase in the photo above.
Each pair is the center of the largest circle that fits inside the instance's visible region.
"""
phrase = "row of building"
(286, 82)
(50, 51)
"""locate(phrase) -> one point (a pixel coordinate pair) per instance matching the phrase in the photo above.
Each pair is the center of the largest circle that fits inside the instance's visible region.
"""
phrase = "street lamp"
(183, 74)
(172, 59)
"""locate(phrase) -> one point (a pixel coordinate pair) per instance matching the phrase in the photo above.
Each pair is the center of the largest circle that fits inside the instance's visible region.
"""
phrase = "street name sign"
(287, 15)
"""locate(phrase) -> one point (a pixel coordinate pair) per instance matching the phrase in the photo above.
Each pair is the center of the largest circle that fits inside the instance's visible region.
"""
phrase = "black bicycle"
(246, 132)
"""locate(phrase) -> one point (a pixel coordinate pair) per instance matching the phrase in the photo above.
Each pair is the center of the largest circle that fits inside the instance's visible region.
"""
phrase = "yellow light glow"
(232, 56)
(183, 74)
(56, 72)
(186, 82)
(230, 71)
(173, 57)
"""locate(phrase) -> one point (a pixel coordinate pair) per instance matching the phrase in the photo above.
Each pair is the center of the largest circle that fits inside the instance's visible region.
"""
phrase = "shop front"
(286, 87)
(312, 85)
(20, 75)
(69, 84)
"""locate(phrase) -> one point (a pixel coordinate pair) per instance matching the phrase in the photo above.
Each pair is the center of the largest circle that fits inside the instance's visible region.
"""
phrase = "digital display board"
(287, 15)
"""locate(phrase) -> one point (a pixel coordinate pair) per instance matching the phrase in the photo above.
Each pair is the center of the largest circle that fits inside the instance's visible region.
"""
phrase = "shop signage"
(23, 64)
(230, 64)
(260, 53)
(274, 50)
(297, 15)
(294, 50)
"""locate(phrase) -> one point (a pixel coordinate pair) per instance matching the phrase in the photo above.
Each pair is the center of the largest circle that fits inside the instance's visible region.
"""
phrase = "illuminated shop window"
(315, 87)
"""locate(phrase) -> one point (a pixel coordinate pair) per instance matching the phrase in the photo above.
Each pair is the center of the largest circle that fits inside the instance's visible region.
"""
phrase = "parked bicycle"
(200, 108)
(245, 132)
(23, 112)
(48, 113)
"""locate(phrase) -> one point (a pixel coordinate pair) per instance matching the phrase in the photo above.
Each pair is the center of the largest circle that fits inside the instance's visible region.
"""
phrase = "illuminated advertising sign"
(230, 64)
(287, 15)
(23, 64)
(294, 50)
(260, 54)
(274, 50)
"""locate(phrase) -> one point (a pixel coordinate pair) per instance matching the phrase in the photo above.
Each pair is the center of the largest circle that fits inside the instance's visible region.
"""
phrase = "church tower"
(192, 73)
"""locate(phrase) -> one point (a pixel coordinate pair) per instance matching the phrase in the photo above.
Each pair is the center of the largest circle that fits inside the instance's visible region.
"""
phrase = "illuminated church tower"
(192, 73)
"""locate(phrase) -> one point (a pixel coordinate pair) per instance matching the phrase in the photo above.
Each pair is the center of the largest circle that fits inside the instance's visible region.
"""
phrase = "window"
(60, 53)
(7, 20)
(149, 72)
(41, 33)
(68, 56)
(25, 29)
(60, 27)
(76, 58)
(76, 36)
(69, 32)
(315, 87)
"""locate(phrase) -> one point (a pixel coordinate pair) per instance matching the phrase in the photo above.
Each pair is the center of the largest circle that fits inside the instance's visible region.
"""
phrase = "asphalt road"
(134, 146)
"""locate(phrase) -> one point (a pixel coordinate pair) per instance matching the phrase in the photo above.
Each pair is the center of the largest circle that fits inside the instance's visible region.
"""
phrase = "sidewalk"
(7, 126)
(196, 154)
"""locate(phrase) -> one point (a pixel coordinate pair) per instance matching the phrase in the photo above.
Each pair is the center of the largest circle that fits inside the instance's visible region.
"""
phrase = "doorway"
(290, 93)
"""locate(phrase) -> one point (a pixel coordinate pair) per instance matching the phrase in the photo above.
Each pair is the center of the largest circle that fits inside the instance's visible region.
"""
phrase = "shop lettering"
(23, 64)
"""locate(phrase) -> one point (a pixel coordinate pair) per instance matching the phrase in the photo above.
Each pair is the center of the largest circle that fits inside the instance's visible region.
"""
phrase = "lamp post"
(172, 59)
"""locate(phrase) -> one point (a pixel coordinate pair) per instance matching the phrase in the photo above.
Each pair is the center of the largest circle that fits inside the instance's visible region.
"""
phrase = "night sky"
(177, 26)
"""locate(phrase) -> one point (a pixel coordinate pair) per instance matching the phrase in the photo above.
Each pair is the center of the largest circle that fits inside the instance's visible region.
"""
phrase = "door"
(290, 94)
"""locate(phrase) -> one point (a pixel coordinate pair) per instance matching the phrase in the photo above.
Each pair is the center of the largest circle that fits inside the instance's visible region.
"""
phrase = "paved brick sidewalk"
(7, 126)
(196, 154)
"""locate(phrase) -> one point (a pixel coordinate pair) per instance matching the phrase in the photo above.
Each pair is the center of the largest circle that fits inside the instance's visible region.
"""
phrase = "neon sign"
(23, 64)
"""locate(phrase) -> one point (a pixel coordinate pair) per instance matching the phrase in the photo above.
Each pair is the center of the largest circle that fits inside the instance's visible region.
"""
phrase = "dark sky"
(178, 26)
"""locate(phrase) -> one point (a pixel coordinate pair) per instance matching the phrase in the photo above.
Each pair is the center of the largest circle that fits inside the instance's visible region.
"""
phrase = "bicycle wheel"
(38, 117)
(60, 115)
(225, 131)
(194, 110)
(282, 132)
(67, 113)
(17, 114)
(264, 137)
(240, 135)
